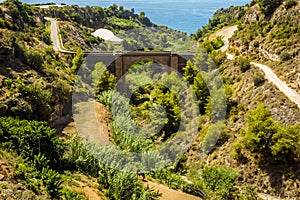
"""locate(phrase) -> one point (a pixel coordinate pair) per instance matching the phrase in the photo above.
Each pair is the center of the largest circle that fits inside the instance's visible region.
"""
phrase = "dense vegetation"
(215, 182)
(46, 158)
(29, 65)
(268, 139)
(35, 85)
(240, 146)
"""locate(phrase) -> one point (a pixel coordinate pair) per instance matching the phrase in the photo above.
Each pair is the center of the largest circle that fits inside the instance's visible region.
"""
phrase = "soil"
(169, 194)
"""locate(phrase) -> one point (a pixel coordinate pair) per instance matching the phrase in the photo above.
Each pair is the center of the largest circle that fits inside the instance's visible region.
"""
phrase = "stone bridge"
(119, 63)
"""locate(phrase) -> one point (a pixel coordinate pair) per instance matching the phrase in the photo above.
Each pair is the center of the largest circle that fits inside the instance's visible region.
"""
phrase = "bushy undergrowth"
(38, 143)
(30, 139)
(114, 176)
(290, 3)
(267, 139)
(217, 183)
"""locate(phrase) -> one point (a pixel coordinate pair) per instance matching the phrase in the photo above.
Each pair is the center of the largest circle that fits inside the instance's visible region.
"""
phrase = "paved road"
(87, 124)
(58, 45)
(282, 86)
(54, 33)
(272, 77)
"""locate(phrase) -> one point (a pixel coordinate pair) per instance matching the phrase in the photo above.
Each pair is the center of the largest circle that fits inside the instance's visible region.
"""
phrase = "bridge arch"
(119, 63)
(124, 62)
(133, 60)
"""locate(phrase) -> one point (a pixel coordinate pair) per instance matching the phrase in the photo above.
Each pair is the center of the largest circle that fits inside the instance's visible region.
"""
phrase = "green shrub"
(249, 193)
(40, 161)
(208, 46)
(260, 127)
(102, 162)
(3, 109)
(244, 64)
(220, 181)
(72, 195)
(20, 51)
(218, 57)
(166, 176)
(193, 190)
(30, 139)
(2, 23)
(264, 137)
(34, 59)
(237, 151)
(132, 141)
(76, 17)
(124, 24)
(258, 79)
(283, 32)
(45, 37)
(290, 3)
(77, 60)
(102, 79)
(27, 175)
(211, 137)
(269, 6)
(286, 143)
(218, 42)
(285, 56)
(52, 182)
(105, 98)
(38, 103)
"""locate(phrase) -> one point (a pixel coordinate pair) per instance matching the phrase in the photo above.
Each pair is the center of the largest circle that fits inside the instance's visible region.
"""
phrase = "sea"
(184, 15)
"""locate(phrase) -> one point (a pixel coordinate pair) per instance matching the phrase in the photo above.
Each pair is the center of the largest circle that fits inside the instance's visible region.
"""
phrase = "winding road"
(281, 85)
(55, 36)
(272, 77)
(226, 33)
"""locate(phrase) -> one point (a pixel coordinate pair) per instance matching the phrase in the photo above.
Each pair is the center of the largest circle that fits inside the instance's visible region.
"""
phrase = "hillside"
(219, 130)
(267, 33)
(78, 23)
(35, 81)
(274, 41)
(36, 84)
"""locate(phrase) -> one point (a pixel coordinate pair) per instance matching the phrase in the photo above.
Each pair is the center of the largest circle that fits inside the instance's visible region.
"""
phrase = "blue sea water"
(183, 15)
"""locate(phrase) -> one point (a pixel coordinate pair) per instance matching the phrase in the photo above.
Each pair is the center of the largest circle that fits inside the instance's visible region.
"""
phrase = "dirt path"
(268, 197)
(272, 77)
(89, 187)
(88, 124)
(282, 86)
(169, 194)
(226, 33)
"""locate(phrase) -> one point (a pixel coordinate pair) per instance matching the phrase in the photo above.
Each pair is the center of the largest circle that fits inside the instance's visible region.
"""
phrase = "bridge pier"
(174, 61)
(119, 67)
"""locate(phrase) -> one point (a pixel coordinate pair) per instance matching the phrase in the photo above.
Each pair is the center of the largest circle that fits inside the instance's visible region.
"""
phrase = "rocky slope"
(274, 38)
(270, 37)
(35, 82)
